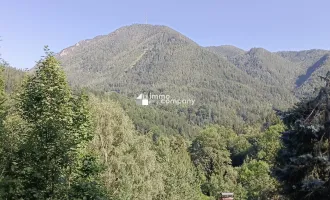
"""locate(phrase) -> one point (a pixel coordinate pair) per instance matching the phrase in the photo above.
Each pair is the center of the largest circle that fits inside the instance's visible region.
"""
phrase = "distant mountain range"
(151, 58)
(297, 70)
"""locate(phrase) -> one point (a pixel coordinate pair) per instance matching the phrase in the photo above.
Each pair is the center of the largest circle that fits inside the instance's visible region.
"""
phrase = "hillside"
(12, 77)
(296, 71)
(314, 63)
(269, 68)
(157, 59)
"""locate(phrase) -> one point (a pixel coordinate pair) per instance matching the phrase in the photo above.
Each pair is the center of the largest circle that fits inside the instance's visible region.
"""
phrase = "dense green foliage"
(229, 162)
(13, 78)
(47, 159)
(158, 120)
(65, 145)
(157, 59)
(303, 166)
(314, 63)
(96, 143)
(212, 159)
(255, 178)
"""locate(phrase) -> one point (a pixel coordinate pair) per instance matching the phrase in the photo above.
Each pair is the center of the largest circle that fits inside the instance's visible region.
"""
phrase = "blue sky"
(26, 26)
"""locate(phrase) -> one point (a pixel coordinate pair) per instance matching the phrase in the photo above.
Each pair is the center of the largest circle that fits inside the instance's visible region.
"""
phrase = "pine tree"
(303, 163)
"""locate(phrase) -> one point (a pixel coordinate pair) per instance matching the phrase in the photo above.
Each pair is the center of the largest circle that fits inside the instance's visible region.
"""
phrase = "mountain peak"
(258, 50)
(131, 35)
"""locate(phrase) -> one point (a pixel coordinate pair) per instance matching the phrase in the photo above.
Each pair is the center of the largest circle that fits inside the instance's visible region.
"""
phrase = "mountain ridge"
(153, 58)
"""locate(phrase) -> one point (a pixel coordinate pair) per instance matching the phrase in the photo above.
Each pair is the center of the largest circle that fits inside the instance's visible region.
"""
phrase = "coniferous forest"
(69, 136)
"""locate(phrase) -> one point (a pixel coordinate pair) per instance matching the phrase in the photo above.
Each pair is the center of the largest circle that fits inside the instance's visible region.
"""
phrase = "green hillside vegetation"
(12, 77)
(65, 144)
(298, 70)
(315, 63)
(157, 59)
(156, 119)
(303, 161)
(270, 68)
(71, 129)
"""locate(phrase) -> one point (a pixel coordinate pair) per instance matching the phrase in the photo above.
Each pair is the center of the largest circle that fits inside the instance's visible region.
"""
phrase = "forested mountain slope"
(267, 67)
(314, 63)
(158, 59)
(296, 71)
(12, 77)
